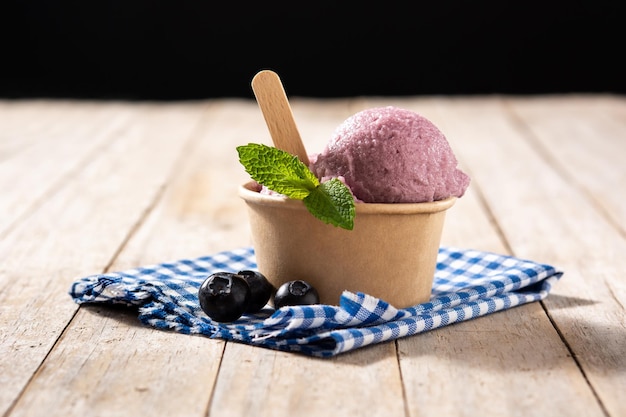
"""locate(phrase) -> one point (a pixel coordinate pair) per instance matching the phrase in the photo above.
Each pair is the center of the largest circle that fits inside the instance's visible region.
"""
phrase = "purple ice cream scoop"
(391, 155)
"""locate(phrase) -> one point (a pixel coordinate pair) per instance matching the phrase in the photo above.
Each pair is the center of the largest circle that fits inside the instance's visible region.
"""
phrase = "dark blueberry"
(224, 296)
(293, 293)
(260, 290)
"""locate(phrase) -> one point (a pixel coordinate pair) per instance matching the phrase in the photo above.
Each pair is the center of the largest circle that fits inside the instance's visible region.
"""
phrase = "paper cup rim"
(249, 194)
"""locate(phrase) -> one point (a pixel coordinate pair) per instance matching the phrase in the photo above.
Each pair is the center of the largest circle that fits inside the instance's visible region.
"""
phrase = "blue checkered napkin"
(468, 284)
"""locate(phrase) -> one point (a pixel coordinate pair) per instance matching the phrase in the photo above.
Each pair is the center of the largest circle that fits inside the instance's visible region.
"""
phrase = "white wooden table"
(89, 187)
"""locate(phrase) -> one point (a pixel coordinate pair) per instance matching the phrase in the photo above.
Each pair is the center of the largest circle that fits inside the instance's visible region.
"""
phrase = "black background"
(184, 49)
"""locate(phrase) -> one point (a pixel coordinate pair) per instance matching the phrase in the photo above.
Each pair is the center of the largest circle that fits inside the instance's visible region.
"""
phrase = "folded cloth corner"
(467, 284)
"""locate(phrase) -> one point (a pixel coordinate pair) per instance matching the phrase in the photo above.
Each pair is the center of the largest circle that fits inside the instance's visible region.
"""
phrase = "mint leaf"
(277, 170)
(332, 202)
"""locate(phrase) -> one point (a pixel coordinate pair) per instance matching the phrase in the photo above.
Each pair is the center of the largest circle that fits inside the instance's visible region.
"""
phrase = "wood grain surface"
(92, 186)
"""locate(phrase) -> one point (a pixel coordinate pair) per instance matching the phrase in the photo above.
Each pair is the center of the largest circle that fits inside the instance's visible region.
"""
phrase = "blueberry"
(260, 290)
(224, 296)
(293, 293)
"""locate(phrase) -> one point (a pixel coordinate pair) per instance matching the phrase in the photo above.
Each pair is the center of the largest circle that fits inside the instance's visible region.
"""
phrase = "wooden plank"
(260, 382)
(254, 381)
(69, 135)
(24, 122)
(544, 216)
(200, 212)
(586, 140)
(108, 364)
(76, 232)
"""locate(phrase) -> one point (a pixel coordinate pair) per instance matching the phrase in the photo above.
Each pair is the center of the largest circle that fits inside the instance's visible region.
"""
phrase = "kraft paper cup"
(390, 254)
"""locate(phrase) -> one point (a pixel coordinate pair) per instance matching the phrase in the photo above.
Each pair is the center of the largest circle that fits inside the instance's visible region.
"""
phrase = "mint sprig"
(331, 201)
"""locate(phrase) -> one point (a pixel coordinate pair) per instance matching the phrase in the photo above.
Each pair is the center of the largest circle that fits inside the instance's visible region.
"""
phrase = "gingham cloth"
(468, 284)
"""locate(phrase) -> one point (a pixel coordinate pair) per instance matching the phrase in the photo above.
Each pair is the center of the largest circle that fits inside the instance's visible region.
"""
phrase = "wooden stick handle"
(272, 100)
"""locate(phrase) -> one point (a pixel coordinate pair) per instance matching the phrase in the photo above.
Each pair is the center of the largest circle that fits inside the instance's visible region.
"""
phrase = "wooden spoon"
(271, 97)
